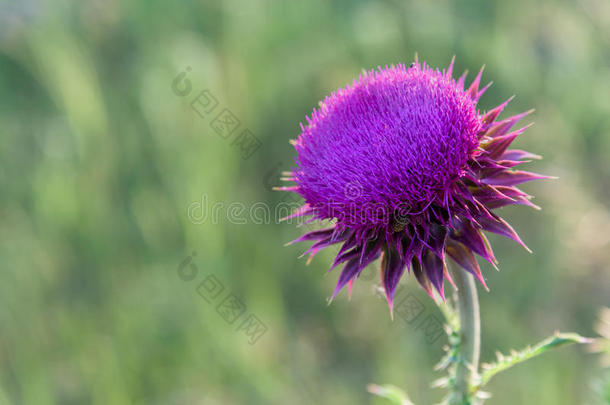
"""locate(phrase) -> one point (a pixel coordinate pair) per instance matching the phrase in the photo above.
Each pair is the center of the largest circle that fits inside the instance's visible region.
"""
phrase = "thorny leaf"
(391, 392)
(506, 362)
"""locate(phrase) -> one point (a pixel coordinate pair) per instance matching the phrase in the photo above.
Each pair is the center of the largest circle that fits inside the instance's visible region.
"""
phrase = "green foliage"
(394, 394)
(504, 362)
(100, 160)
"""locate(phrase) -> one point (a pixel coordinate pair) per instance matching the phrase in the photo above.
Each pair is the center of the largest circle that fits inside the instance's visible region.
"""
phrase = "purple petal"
(423, 281)
(465, 258)
(434, 268)
(482, 91)
(517, 154)
(473, 239)
(498, 145)
(349, 272)
(486, 194)
(449, 72)
(303, 211)
(351, 241)
(512, 178)
(507, 201)
(462, 79)
(501, 227)
(321, 244)
(392, 268)
(350, 285)
(314, 235)
(436, 241)
(502, 127)
(345, 256)
(513, 196)
(488, 168)
(410, 249)
(371, 251)
(473, 90)
(492, 114)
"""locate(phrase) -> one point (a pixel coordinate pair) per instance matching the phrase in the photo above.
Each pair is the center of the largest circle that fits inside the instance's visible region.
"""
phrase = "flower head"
(409, 170)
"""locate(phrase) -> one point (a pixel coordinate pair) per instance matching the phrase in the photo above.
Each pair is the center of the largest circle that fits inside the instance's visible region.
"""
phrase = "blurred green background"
(100, 161)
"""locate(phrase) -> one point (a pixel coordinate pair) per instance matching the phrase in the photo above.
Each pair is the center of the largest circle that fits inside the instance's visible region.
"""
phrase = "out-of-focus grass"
(100, 160)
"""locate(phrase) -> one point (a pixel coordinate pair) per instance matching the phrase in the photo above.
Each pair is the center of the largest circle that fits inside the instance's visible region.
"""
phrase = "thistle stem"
(470, 331)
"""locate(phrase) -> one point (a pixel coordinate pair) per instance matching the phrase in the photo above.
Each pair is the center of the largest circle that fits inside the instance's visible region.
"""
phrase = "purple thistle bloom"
(409, 170)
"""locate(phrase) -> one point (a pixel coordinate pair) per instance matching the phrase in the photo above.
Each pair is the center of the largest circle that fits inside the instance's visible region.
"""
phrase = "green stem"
(470, 331)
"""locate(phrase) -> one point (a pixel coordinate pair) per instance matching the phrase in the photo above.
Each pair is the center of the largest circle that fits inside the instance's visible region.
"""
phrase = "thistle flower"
(408, 170)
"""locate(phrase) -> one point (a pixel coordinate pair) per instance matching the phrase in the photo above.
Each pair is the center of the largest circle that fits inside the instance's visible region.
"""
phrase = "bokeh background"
(102, 262)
